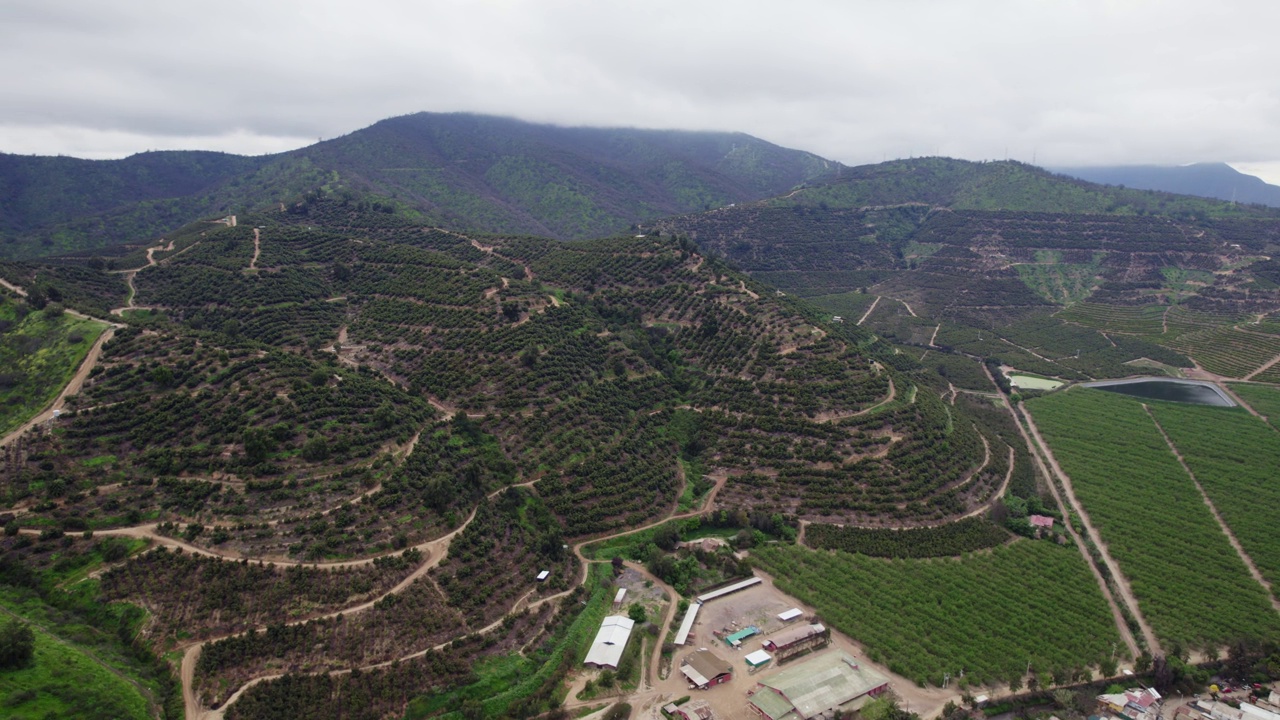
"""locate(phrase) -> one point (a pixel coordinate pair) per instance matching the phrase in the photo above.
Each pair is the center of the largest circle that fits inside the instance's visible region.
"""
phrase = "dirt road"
(6, 284)
(257, 249)
(1117, 617)
(1121, 582)
(870, 310)
(1226, 529)
(73, 387)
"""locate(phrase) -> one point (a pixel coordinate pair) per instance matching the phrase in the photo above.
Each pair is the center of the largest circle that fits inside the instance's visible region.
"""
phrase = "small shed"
(544, 575)
(1041, 521)
(757, 659)
(735, 640)
(617, 599)
(695, 710)
(789, 615)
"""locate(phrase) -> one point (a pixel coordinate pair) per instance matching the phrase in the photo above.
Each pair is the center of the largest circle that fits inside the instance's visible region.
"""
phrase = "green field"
(851, 306)
(65, 682)
(38, 356)
(1262, 398)
(1139, 320)
(1234, 456)
(1190, 584)
(986, 613)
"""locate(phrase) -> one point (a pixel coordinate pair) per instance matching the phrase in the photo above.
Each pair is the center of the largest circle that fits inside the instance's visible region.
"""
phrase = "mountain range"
(1212, 180)
(490, 174)
(470, 172)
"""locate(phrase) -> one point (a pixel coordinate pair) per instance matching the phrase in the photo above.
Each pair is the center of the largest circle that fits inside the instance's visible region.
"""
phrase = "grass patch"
(38, 356)
(65, 682)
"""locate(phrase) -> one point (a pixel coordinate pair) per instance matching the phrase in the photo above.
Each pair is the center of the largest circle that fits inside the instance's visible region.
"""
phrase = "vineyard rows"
(1190, 584)
(987, 614)
(1234, 456)
(1229, 352)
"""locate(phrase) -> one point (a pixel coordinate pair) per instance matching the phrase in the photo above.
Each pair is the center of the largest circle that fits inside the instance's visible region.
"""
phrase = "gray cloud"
(1093, 81)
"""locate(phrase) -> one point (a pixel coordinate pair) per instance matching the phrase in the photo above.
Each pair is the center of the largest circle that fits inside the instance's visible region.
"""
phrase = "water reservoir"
(1197, 392)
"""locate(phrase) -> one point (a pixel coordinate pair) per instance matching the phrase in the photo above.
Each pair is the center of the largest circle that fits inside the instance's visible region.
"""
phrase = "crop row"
(1234, 456)
(987, 614)
(1228, 351)
(1189, 582)
(1135, 319)
(954, 538)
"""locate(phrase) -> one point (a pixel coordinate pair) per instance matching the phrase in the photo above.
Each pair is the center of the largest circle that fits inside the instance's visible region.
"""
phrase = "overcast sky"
(1057, 83)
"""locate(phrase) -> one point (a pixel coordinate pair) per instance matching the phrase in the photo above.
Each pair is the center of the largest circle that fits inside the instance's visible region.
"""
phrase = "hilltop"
(469, 172)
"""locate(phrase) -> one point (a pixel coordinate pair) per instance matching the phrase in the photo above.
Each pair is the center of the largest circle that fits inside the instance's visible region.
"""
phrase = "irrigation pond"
(1196, 392)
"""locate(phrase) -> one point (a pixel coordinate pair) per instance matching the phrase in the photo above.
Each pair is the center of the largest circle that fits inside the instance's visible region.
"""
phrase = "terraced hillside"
(403, 420)
(268, 395)
(968, 260)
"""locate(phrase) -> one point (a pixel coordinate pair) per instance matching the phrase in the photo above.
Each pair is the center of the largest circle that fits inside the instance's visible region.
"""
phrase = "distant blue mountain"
(1212, 180)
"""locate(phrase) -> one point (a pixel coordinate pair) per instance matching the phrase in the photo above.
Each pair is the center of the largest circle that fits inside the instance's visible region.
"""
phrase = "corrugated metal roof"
(825, 682)
(708, 664)
(789, 615)
(682, 635)
(758, 658)
(772, 704)
(610, 641)
(796, 634)
(695, 677)
(729, 589)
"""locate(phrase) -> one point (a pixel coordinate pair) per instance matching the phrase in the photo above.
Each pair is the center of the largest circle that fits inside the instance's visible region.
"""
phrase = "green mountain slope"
(1006, 185)
(983, 257)
(468, 172)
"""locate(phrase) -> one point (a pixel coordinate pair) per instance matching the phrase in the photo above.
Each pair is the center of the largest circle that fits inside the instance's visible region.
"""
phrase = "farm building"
(694, 710)
(757, 659)
(1213, 710)
(735, 640)
(606, 649)
(617, 599)
(728, 589)
(797, 640)
(1138, 703)
(686, 626)
(1040, 521)
(543, 575)
(703, 670)
(787, 616)
(816, 688)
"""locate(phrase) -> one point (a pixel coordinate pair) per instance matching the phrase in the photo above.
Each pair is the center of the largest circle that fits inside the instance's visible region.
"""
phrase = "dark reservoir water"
(1174, 390)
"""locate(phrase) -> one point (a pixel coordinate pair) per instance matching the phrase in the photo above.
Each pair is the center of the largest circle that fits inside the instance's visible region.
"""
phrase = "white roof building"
(682, 635)
(743, 585)
(606, 649)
